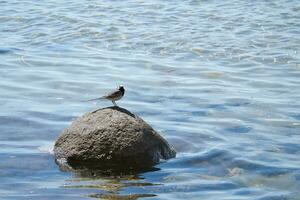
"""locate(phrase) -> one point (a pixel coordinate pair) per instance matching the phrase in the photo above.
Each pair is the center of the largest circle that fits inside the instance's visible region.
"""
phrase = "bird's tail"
(93, 99)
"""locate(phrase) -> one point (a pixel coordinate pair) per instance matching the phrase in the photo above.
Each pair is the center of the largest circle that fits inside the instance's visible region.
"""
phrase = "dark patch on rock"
(111, 139)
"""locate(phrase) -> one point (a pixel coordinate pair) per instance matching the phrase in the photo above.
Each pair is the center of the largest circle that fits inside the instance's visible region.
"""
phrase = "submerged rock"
(111, 139)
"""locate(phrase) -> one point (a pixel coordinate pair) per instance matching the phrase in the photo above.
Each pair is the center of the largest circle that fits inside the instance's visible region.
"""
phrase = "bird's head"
(121, 87)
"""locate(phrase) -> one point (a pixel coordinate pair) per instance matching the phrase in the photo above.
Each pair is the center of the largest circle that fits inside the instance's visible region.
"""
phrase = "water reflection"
(120, 197)
(109, 187)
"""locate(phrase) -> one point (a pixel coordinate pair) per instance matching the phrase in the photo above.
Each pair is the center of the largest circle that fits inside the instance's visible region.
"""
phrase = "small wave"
(47, 148)
(221, 162)
(5, 51)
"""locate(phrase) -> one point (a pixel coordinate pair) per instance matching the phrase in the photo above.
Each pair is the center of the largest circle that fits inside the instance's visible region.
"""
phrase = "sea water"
(220, 80)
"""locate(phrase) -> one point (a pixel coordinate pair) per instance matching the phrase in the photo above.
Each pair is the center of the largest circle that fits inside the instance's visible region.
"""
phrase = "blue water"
(220, 80)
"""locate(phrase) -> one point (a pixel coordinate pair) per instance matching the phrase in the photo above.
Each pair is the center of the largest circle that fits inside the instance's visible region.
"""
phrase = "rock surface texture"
(111, 138)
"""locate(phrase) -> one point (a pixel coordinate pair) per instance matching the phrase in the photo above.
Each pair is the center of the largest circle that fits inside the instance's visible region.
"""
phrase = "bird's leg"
(114, 103)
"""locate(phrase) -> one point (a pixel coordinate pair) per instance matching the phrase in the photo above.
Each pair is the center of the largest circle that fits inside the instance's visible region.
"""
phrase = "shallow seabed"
(220, 80)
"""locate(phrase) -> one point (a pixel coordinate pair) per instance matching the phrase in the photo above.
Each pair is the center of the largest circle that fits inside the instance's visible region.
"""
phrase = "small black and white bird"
(113, 96)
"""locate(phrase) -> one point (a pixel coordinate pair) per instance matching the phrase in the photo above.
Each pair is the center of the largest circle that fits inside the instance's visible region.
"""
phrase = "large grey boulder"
(111, 138)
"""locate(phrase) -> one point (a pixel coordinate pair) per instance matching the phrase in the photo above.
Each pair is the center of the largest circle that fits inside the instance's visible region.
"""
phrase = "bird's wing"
(112, 95)
(109, 96)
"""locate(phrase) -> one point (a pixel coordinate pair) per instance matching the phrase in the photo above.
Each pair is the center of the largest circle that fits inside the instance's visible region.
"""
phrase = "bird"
(113, 96)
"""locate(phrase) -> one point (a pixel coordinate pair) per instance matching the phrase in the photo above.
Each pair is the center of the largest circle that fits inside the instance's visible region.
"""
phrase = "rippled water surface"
(220, 80)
